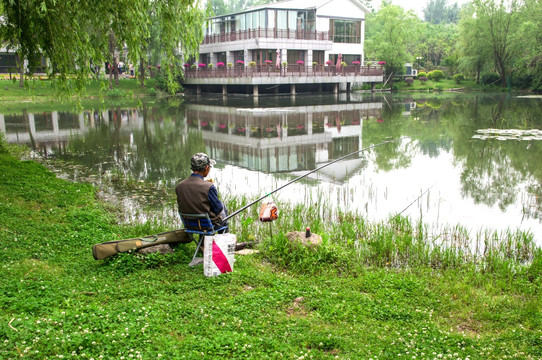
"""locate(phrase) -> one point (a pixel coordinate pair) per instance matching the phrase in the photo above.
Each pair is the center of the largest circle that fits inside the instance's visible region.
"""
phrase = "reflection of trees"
(492, 169)
(489, 177)
(164, 147)
(392, 125)
(159, 151)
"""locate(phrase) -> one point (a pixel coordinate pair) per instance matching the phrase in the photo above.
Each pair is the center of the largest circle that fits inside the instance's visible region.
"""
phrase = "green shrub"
(3, 143)
(435, 75)
(490, 79)
(523, 81)
(161, 81)
(422, 74)
(458, 78)
(116, 93)
(534, 272)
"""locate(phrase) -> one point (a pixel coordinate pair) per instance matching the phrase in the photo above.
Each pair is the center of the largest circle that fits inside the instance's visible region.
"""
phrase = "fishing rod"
(310, 172)
(422, 194)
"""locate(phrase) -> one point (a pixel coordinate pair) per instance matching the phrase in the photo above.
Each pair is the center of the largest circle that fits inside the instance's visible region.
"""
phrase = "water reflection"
(444, 172)
(284, 139)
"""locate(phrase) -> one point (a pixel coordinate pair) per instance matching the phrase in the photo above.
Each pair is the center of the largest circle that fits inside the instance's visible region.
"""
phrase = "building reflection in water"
(285, 139)
(269, 140)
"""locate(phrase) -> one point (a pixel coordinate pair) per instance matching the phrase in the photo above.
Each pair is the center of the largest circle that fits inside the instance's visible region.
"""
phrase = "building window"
(282, 20)
(259, 56)
(238, 55)
(295, 55)
(221, 57)
(318, 56)
(345, 31)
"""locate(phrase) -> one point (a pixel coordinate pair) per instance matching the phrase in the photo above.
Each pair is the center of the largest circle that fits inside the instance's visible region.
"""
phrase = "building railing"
(272, 33)
(289, 70)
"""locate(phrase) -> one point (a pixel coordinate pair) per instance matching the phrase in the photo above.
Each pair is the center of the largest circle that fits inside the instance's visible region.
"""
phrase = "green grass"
(444, 85)
(39, 94)
(375, 291)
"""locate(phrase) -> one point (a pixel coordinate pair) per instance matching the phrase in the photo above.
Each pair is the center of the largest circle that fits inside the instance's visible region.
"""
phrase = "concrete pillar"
(224, 89)
(335, 88)
(292, 89)
(309, 58)
(2, 123)
(309, 123)
(373, 87)
(82, 121)
(247, 56)
(255, 90)
(105, 116)
(229, 58)
(276, 89)
(32, 124)
(198, 89)
(56, 128)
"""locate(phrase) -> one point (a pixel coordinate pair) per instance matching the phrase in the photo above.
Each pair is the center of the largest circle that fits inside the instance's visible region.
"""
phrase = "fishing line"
(310, 172)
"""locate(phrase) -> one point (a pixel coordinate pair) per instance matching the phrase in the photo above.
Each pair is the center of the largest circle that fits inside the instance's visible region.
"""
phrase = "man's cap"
(199, 161)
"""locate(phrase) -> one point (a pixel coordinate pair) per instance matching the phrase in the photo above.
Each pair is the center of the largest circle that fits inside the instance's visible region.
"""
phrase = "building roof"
(296, 5)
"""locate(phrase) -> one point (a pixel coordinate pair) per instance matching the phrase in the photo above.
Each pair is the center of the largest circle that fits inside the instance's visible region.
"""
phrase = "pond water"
(472, 160)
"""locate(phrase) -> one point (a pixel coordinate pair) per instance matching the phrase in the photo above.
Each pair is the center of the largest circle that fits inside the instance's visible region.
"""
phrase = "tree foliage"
(223, 7)
(475, 51)
(391, 36)
(72, 34)
(436, 43)
(503, 37)
(439, 12)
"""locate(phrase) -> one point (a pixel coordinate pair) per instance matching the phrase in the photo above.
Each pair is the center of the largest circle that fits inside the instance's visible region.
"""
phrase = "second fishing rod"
(308, 173)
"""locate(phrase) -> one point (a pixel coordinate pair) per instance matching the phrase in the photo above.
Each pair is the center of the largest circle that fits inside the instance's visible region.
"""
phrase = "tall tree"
(223, 7)
(498, 26)
(436, 42)
(70, 34)
(529, 61)
(391, 36)
(439, 12)
(475, 51)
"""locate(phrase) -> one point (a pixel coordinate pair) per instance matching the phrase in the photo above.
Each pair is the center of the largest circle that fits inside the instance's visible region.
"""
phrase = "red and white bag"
(218, 254)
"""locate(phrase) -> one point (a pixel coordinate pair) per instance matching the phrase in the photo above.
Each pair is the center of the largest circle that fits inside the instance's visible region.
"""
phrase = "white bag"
(218, 254)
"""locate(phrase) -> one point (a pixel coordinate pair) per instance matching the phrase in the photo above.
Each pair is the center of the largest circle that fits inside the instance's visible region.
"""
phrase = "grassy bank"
(372, 291)
(40, 94)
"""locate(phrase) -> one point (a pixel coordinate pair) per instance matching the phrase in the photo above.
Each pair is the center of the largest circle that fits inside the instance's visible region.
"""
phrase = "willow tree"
(475, 51)
(391, 35)
(497, 25)
(72, 34)
(530, 56)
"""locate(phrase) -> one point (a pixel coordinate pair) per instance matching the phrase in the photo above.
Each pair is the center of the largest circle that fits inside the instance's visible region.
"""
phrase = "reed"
(351, 242)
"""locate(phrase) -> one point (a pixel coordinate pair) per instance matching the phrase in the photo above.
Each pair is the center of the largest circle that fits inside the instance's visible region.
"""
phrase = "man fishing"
(197, 196)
